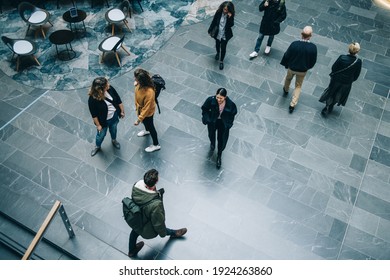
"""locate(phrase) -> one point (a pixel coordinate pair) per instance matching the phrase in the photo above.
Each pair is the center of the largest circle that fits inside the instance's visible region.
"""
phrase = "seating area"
(91, 27)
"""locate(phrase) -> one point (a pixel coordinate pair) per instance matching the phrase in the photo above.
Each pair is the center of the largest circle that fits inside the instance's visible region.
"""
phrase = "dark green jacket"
(154, 213)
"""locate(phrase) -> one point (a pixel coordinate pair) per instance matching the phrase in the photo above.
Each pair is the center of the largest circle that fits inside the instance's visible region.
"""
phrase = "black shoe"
(330, 108)
(179, 233)
(219, 162)
(116, 144)
(291, 109)
(324, 111)
(221, 66)
(137, 248)
(212, 148)
(285, 92)
(217, 56)
(95, 151)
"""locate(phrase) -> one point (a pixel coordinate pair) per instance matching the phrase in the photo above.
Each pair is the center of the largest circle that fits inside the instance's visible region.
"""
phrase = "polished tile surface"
(291, 186)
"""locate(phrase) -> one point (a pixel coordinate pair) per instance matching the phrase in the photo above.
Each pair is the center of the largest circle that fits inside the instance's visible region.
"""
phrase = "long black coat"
(228, 26)
(274, 14)
(341, 83)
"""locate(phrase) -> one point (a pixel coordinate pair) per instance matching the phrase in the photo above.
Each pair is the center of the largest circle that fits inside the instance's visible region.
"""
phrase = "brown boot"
(137, 248)
(179, 233)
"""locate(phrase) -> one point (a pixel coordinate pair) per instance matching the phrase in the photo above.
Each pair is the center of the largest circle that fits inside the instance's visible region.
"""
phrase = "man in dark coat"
(300, 56)
(145, 193)
(345, 71)
(274, 14)
(218, 114)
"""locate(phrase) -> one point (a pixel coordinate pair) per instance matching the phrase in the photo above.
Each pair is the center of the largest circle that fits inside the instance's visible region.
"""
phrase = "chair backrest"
(125, 7)
(118, 44)
(25, 10)
(8, 42)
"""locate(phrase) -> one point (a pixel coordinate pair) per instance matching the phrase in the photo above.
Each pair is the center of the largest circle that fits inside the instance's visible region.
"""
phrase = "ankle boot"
(219, 162)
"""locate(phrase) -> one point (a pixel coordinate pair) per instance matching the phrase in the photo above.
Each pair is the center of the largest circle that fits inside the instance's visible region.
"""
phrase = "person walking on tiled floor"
(105, 106)
(300, 56)
(145, 192)
(345, 71)
(221, 29)
(145, 105)
(274, 14)
(218, 114)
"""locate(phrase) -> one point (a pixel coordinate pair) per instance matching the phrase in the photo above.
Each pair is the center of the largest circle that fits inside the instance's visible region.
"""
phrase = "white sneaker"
(267, 50)
(152, 148)
(253, 55)
(143, 133)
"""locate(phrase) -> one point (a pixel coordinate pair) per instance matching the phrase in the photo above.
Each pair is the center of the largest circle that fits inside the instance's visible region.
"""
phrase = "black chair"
(34, 16)
(119, 14)
(21, 47)
(139, 3)
(112, 44)
(58, 4)
(93, 1)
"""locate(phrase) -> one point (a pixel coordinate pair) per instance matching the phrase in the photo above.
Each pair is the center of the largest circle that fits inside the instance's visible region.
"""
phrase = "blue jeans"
(112, 126)
(133, 238)
(260, 40)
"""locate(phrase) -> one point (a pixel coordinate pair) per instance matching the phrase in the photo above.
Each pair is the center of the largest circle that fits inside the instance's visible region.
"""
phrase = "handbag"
(214, 31)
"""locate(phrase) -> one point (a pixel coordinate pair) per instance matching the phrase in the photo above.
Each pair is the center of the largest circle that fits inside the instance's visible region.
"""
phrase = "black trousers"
(149, 126)
(222, 133)
(220, 46)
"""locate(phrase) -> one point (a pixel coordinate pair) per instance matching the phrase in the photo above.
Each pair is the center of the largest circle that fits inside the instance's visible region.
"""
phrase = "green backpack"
(132, 213)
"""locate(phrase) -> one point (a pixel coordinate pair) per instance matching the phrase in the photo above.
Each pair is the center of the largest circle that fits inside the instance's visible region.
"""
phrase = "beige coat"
(145, 103)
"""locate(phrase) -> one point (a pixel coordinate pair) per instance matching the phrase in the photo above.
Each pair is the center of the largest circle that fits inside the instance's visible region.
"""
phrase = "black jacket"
(274, 14)
(300, 56)
(228, 26)
(349, 75)
(210, 112)
(99, 108)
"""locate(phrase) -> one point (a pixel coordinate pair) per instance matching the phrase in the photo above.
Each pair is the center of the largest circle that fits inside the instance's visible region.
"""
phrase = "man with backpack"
(145, 193)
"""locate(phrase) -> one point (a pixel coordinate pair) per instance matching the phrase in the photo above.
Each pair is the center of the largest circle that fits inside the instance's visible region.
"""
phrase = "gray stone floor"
(291, 186)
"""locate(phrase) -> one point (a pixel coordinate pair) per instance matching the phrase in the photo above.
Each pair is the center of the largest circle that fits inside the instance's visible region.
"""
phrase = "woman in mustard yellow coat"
(145, 105)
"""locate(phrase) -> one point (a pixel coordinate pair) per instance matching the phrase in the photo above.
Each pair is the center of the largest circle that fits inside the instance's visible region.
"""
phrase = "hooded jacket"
(153, 213)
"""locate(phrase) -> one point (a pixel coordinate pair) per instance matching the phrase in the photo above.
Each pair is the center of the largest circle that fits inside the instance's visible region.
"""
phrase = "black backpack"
(132, 213)
(159, 85)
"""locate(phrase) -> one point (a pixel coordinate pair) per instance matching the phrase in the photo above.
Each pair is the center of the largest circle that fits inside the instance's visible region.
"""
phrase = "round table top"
(61, 37)
(81, 15)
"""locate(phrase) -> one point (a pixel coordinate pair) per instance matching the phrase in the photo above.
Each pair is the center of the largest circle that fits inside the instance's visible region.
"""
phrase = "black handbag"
(214, 31)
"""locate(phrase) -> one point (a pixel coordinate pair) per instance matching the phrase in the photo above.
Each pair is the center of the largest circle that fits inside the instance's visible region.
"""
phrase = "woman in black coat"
(345, 71)
(221, 29)
(218, 114)
(274, 14)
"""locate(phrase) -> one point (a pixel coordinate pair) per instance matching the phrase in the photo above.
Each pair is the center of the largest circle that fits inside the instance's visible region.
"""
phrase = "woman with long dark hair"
(145, 105)
(221, 29)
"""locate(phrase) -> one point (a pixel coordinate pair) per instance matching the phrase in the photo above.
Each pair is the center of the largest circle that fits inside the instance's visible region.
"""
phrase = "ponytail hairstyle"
(98, 88)
(222, 92)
